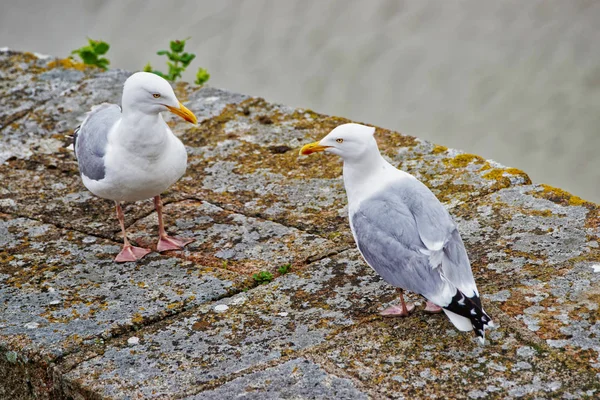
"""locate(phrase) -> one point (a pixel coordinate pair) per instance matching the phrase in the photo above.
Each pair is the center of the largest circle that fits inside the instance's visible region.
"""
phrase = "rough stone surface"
(298, 378)
(195, 324)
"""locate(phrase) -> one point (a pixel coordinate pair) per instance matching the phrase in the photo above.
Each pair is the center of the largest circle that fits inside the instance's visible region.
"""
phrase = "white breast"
(140, 171)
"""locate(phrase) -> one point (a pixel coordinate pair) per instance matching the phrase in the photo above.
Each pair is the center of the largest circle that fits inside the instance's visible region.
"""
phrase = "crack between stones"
(304, 353)
(60, 226)
(17, 116)
(313, 354)
(148, 323)
(122, 331)
(63, 367)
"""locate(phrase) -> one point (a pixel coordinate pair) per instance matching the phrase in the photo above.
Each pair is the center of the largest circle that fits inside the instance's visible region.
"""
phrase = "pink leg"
(403, 310)
(129, 252)
(166, 242)
(431, 308)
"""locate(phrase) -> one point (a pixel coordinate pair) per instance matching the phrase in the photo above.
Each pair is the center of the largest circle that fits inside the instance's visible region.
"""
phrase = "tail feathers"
(466, 314)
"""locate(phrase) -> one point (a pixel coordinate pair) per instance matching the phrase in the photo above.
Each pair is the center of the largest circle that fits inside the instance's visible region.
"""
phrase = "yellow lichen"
(559, 194)
(462, 160)
(485, 167)
(437, 149)
(137, 318)
(67, 63)
(541, 213)
(495, 174)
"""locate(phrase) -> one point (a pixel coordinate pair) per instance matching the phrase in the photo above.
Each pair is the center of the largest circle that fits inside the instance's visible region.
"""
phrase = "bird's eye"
(340, 140)
(156, 95)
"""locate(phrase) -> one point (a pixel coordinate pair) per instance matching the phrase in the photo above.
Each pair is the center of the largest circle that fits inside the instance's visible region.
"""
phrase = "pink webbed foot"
(131, 253)
(431, 308)
(172, 243)
(398, 311)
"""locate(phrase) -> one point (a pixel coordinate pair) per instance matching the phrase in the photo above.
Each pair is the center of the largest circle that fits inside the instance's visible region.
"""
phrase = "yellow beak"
(184, 113)
(312, 148)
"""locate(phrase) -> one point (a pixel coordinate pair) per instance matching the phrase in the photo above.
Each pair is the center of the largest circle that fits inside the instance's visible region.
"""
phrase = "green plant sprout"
(91, 54)
(263, 277)
(179, 60)
(284, 269)
(201, 76)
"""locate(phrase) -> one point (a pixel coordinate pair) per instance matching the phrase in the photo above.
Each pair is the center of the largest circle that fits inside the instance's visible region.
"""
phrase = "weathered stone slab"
(295, 379)
(535, 253)
(296, 312)
(417, 358)
(521, 232)
(61, 290)
(75, 325)
(232, 241)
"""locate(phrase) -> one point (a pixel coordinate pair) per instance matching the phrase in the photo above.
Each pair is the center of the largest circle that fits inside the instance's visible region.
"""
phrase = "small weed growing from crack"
(284, 269)
(263, 277)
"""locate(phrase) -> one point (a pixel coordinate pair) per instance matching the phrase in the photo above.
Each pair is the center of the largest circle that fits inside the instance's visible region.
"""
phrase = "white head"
(150, 94)
(349, 141)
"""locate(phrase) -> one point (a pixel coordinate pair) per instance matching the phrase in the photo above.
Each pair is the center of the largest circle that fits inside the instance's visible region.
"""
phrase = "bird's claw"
(431, 308)
(398, 311)
(172, 243)
(131, 253)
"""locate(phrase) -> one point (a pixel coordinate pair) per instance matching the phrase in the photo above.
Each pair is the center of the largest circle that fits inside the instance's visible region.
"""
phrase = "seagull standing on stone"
(403, 231)
(130, 154)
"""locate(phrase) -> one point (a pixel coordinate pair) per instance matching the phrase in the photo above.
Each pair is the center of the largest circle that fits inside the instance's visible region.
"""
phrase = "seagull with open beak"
(131, 154)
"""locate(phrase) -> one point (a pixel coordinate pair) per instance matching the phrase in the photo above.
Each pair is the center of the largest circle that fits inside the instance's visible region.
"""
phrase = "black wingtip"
(471, 308)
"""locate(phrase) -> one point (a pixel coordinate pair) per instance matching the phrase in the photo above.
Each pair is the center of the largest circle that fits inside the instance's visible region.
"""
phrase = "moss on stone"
(68, 63)
(437, 149)
(462, 160)
(556, 194)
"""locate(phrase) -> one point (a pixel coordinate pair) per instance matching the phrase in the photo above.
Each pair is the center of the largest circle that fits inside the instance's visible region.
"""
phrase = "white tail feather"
(461, 323)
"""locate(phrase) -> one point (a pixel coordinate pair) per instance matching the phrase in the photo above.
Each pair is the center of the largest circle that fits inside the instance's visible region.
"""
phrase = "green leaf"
(162, 52)
(263, 277)
(186, 58)
(102, 48)
(201, 76)
(147, 68)
(173, 56)
(159, 74)
(102, 63)
(284, 269)
(177, 45)
(88, 57)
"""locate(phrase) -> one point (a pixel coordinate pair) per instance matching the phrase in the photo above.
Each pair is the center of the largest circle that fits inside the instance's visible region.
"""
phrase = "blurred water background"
(516, 81)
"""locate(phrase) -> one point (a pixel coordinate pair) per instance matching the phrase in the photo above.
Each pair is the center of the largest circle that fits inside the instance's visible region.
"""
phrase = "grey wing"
(387, 236)
(438, 233)
(91, 139)
(434, 223)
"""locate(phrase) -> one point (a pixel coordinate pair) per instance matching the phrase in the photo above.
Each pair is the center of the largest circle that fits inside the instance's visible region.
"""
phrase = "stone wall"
(73, 324)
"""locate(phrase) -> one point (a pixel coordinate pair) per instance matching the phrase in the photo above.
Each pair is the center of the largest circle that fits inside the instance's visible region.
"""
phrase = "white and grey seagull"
(403, 231)
(129, 153)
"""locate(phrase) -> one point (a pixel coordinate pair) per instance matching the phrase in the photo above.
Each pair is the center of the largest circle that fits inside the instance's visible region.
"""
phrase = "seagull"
(403, 231)
(130, 153)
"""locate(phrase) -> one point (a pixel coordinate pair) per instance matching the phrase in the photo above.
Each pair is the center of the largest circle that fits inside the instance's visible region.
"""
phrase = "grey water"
(515, 81)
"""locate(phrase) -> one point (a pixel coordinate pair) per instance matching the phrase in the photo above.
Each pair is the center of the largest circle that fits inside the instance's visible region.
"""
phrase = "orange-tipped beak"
(312, 148)
(184, 113)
